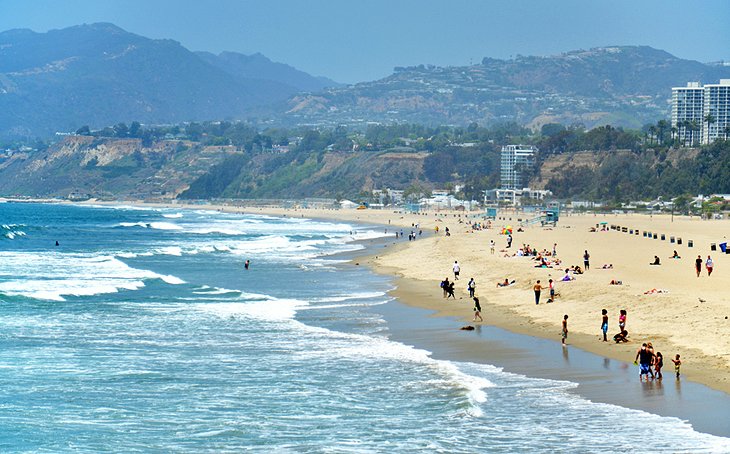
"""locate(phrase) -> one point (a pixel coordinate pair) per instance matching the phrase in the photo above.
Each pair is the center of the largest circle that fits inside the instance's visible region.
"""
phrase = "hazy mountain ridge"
(622, 85)
(99, 75)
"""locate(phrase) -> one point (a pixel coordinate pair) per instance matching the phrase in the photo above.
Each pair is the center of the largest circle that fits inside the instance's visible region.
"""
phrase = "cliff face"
(108, 168)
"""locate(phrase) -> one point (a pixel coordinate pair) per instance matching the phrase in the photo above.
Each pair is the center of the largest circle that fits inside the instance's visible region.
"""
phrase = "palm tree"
(662, 126)
(693, 126)
(709, 119)
(727, 131)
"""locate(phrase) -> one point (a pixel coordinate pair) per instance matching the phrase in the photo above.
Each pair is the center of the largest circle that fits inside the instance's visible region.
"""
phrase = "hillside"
(623, 86)
(99, 75)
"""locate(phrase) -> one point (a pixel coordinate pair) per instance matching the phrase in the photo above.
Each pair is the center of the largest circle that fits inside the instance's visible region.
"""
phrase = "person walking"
(450, 291)
(537, 288)
(698, 265)
(457, 270)
(471, 286)
(477, 310)
(565, 329)
(709, 265)
(491, 246)
(445, 287)
(586, 260)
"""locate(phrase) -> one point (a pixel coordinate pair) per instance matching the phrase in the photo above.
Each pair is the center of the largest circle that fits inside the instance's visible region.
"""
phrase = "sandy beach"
(690, 317)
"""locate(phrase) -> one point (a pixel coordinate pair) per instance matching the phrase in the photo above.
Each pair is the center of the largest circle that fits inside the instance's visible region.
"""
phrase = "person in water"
(644, 358)
(477, 310)
(247, 264)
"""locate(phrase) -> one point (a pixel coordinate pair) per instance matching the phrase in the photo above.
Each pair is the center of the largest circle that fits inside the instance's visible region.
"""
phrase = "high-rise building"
(515, 161)
(694, 105)
(687, 105)
(717, 111)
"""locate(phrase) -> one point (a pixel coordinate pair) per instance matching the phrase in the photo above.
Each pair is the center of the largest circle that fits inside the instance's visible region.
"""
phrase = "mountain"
(623, 86)
(100, 75)
(258, 66)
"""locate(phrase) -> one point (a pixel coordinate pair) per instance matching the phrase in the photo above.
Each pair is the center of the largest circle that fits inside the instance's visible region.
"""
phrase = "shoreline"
(709, 370)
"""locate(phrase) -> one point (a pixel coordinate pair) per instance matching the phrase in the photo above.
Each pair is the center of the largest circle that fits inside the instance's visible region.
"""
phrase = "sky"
(359, 40)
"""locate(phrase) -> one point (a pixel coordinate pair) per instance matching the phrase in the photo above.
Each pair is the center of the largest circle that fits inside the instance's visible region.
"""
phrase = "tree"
(83, 131)
(709, 119)
(662, 126)
(121, 130)
(134, 129)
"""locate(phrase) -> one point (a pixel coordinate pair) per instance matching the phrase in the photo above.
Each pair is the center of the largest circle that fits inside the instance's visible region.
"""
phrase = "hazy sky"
(352, 41)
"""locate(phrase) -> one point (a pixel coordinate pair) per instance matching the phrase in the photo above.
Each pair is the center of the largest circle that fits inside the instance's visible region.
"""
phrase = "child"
(658, 364)
(604, 324)
(565, 328)
(551, 285)
(677, 362)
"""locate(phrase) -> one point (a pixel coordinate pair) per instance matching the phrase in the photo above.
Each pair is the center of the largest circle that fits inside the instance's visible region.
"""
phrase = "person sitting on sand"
(567, 276)
(615, 282)
(656, 261)
(621, 337)
(506, 283)
(675, 256)
(607, 266)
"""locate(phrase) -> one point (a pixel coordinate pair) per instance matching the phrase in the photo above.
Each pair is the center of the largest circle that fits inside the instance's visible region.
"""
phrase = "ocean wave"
(173, 215)
(51, 276)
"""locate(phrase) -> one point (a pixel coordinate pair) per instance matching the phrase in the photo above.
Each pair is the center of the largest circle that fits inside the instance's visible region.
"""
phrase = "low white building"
(514, 197)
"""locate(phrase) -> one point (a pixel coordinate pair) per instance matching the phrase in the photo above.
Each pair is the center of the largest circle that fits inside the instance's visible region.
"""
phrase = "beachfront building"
(716, 112)
(515, 161)
(514, 197)
(701, 114)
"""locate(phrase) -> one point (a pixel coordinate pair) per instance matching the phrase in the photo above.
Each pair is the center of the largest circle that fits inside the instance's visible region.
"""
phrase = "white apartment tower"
(693, 105)
(717, 106)
(687, 105)
(515, 160)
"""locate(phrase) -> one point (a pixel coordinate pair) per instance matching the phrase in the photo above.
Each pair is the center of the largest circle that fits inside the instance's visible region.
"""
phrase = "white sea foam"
(51, 276)
(165, 226)
(173, 215)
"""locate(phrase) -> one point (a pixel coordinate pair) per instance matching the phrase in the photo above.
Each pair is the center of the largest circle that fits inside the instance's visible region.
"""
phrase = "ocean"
(142, 332)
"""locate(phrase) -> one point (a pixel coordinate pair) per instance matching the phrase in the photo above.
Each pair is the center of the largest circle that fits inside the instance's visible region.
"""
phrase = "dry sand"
(692, 319)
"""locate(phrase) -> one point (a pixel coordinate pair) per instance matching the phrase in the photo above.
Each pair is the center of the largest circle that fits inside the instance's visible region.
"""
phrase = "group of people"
(709, 265)
(448, 290)
(650, 363)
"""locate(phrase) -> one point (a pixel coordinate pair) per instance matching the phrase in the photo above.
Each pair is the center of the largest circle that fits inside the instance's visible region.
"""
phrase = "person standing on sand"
(457, 270)
(555, 249)
(604, 324)
(644, 360)
(677, 363)
(586, 260)
(477, 310)
(709, 265)
(537, 288)
(509, 241)
(551, 286)
(471, 286)
(698, 265)
(658, 364)
(565, 329)
(491, 246)
(622, 319)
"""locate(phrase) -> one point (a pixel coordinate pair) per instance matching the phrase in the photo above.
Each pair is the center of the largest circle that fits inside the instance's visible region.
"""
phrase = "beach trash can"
(679, 240)
(723, 248)
(655, 236)
(631, 232)
(663, 237)
(690, 243)
(637, 232)
(671, 239)
(713, 247)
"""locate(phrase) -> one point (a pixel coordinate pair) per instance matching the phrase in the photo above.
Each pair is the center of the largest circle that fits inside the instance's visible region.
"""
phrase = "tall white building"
(687, 105)
(717, 104)
(515, 160)
(691, 106)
